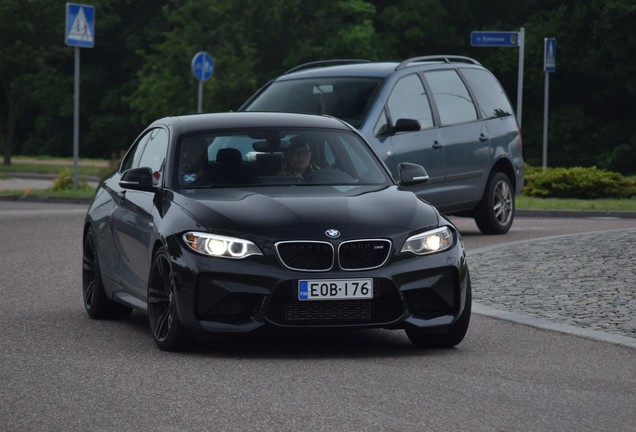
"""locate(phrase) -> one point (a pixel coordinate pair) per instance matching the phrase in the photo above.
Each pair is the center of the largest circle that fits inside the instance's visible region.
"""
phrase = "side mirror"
(138, 179)
(406, 125)
(411, 174)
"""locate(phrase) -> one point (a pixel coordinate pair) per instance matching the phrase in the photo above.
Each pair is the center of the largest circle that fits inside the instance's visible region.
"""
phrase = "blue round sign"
(202, 66)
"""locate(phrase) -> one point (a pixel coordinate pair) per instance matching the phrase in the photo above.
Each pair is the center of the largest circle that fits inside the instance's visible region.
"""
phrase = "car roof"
(371, 69)
(375, 70)
(236, 120)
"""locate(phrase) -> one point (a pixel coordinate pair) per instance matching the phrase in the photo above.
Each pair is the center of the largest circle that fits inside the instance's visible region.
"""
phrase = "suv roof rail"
(322, 63)
(443, 58)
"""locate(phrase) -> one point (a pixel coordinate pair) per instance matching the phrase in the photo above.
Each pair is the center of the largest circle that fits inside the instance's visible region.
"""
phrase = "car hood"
(308, 211)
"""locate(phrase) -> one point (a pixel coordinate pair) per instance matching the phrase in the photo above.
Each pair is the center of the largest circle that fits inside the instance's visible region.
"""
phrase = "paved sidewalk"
(584, 284)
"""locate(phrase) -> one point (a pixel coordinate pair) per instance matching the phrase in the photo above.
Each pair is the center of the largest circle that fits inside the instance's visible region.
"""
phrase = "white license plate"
(335, 289)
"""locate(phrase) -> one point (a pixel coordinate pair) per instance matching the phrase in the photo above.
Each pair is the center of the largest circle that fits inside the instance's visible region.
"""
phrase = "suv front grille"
(320, 256)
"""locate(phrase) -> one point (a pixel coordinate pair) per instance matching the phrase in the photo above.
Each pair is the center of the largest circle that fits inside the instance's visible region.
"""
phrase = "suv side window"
(408, 100)
(451, 96)
(490, 96)
(149, 151)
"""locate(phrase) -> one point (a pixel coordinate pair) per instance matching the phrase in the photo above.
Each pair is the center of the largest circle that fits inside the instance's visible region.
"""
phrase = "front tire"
(496, 211)
(97, 305)
(456, 331)
(167, 330)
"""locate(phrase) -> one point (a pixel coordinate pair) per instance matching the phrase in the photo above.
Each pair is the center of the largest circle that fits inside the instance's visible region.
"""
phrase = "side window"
(408, 100)
(149, 151)
(154, 155)
(134, 153)
(382, 126)
(451, 96)
(491, 98)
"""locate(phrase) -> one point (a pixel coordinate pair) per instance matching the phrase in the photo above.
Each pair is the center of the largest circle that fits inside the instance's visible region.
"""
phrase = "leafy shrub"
(577, 182)
(64, 181)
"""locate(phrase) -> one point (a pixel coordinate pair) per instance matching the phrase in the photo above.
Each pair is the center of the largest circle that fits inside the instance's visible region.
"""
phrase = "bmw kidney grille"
(317, 256)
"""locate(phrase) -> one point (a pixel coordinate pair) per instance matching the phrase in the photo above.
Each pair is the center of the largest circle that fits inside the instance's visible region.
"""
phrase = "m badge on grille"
(332, 233)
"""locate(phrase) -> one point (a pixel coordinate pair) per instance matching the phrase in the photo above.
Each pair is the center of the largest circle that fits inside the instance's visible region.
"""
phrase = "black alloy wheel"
(97, 305)
(167, 331)
(456, 331)
(496, 211)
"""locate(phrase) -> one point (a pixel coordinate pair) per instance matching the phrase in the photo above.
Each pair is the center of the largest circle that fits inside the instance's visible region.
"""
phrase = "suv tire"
(496, 211)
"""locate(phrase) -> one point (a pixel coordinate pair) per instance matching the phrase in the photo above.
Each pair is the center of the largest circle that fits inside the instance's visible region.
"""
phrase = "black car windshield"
(346, 98)
(277, 157)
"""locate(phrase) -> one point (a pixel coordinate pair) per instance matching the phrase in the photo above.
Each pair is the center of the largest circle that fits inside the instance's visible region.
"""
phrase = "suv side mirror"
(406, 125)
(411, 174)
(138, 179)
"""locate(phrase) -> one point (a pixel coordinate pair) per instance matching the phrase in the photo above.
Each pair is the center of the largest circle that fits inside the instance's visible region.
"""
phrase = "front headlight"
(429, 242)
(220, 246)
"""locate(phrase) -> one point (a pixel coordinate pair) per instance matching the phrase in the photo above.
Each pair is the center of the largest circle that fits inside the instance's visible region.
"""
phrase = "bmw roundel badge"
(333, 233)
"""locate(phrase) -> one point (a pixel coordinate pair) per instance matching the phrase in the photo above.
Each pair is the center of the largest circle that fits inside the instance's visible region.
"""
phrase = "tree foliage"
(140, 70)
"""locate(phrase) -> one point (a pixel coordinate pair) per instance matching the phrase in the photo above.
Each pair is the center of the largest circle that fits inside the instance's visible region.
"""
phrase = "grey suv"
(446, 113)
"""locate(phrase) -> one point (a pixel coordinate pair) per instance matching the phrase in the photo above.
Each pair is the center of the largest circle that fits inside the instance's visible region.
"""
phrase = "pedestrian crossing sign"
(80, 25)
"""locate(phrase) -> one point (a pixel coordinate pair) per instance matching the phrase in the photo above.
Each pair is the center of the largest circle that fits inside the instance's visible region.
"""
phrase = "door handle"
(437, 145)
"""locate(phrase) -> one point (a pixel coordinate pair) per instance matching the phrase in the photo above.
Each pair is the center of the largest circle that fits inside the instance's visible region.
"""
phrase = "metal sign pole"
(545, 120)
(202, 68)
(505, 39)
(549, 66)
(79, 33)
(76, 100)
(522, 42)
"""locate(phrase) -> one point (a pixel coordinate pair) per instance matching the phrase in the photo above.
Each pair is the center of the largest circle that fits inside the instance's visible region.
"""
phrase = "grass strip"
(532, 203)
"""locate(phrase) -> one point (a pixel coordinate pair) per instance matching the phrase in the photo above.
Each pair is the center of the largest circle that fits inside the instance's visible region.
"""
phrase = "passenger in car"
(194, 160)
(297, 160)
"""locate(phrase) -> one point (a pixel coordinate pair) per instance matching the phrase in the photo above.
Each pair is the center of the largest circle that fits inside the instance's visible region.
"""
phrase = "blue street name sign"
(549, 55)
(80, 25)
(494, 39)
(202, 66)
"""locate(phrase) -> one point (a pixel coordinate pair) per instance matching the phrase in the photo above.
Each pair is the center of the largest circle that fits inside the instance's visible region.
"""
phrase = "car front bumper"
(238, 296)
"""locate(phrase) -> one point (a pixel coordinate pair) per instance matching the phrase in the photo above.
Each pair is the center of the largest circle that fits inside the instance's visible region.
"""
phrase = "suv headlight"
(220, 246)
(429, 242)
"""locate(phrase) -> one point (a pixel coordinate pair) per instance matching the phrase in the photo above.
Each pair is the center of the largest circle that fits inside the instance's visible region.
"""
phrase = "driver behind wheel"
(297, 160)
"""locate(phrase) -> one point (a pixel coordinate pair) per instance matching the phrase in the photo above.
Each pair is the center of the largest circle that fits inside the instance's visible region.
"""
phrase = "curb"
(544, 324)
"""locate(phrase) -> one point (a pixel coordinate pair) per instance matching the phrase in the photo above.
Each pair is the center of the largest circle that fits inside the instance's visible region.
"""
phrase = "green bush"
(577, 182)
(64, 181)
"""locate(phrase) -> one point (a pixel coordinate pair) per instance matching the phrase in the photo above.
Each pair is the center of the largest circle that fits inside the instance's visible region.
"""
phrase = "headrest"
(229, 157)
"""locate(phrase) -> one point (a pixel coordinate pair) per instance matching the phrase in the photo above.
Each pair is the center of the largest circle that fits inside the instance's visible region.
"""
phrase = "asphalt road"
(59, 370)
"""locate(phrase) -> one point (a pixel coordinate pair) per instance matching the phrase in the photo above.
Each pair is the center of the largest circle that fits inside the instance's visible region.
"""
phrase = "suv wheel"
(496, 211)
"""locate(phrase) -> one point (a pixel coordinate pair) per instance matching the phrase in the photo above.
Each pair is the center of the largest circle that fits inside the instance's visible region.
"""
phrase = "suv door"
(466, 148)
(409, 100)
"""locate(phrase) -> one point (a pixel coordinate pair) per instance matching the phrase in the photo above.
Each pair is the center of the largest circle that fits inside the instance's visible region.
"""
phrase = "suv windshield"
(277, 157)
(346, 98)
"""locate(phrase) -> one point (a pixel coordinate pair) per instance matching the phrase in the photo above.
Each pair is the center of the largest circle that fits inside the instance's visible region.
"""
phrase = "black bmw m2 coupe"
(233, 222)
